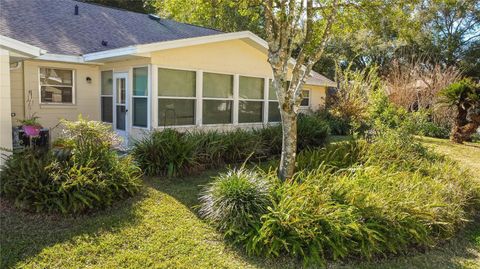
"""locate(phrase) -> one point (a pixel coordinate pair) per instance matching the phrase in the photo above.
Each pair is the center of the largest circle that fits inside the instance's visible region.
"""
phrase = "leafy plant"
(32, 121)
(361, 199)
(312, 132)
(168, 152)
(85, 173)
(235, 201)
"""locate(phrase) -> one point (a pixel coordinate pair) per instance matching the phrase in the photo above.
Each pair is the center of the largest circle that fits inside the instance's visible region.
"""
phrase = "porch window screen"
(106, 96)
(217, 98)
(176, 97)
(140, 97)
(305, 98)
(250, 108)
(56, 86)
(273, 107)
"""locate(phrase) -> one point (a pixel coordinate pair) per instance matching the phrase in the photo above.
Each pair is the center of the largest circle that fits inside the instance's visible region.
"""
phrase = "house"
(138, 72)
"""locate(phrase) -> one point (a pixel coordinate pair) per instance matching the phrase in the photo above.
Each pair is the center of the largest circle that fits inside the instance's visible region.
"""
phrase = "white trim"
(15, 45)
(198, 98)
(236, 94)
(145, 49)
(266, 93)
(65, 58)
(154, 100)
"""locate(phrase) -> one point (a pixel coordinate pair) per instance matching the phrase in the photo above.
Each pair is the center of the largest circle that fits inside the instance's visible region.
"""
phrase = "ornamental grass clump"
(82, 172)
(235, 201)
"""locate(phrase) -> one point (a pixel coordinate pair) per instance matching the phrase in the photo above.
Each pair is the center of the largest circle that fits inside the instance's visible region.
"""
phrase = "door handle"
(126, 110)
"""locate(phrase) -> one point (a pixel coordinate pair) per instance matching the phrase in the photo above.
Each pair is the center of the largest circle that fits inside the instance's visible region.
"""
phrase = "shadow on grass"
(451, 254)
(187, 190)
(24, 235)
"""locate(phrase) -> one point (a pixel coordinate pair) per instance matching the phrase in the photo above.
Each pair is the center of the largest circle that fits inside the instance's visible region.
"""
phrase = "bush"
(166, 153)
(362, 200)
(312, 132)
(234, 202)
(171, 153)
(336, 124)
(85, 173)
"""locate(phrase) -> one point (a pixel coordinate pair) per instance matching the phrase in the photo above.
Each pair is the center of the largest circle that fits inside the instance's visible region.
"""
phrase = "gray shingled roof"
(51, 25)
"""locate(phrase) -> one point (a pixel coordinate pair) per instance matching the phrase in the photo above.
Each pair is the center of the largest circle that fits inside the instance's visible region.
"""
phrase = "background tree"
(224, 15)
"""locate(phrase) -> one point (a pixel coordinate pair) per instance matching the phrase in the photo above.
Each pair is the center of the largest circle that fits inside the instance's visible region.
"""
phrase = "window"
(106, 96)
(305, 98)
(273, 106)
(56, 86)
(250, 107)
(217, 98)
(140, 97)
(176, 97)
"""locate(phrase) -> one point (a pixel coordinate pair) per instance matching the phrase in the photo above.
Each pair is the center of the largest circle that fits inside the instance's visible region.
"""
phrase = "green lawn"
(160, 229)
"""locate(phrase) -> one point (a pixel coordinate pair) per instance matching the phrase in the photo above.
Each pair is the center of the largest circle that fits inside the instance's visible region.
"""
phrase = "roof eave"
(22, 49)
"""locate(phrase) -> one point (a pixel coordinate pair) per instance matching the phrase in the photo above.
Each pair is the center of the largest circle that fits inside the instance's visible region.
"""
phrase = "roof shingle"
(52, 25)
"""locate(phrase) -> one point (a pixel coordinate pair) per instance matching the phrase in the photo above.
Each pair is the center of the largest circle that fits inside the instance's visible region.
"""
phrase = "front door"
(120, 86)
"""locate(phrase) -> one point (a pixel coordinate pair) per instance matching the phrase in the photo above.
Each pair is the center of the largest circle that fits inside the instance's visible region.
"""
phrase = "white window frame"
(61, 86)
(195, 98)
(234, 99)
(148, 97)
(260, 100)
(106, 95)
(309, 98)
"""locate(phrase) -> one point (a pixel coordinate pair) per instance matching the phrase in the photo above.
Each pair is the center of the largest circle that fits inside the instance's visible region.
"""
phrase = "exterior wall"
(5, 111)
(229, 57)
(236, 57)
(17, 94)
(317, 98)
(87, 95)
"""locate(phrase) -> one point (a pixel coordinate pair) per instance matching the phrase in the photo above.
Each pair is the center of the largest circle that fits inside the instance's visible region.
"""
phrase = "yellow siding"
(224, 57)
(16, 84)
(317, 97)
(87, 95)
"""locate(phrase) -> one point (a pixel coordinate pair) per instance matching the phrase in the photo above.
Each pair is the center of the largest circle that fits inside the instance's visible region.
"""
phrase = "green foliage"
(235, 201)
(312, 132)
(359, 199)
(171, 153)
(86, 173)
(337, 125)
(166, 153)
(32, 121)
(464, 92)
(225, 15)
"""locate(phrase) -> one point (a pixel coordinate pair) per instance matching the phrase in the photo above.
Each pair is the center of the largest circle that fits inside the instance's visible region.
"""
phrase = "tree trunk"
(289, 144)
(463, 129)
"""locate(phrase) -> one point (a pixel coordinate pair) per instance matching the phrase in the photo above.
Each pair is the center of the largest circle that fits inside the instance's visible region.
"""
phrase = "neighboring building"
(62, 58)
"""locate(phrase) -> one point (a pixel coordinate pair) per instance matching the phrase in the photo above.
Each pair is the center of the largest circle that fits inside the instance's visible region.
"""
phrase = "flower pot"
(31, 130)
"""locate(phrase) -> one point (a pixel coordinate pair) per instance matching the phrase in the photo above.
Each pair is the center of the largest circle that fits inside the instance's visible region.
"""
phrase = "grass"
(160, 229)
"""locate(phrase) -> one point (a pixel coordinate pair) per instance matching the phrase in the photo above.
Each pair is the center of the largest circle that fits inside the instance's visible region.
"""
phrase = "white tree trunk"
(289, 144)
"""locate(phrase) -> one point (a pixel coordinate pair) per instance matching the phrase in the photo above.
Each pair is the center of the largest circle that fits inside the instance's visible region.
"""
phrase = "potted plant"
(31, 126)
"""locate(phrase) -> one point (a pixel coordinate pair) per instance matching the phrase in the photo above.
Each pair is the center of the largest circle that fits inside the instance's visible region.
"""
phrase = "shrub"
(312, 132)
(362, 200)
(170, 153)
(86, 173)
(336, 124)
(166, 153)
(235, 201)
